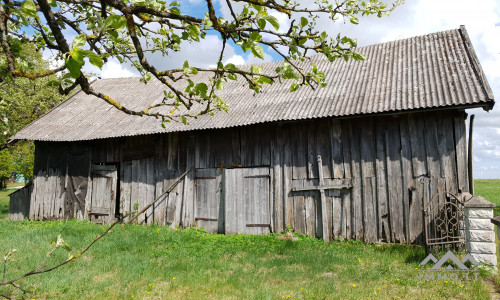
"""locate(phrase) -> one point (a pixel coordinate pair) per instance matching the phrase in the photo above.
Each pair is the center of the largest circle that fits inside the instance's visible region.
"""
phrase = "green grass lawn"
(157, 262)
(490, 190)
(150, 262)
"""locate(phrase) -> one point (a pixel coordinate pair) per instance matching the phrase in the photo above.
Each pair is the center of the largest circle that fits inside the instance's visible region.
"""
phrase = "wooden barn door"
(103, 200)
(247, 200)
(208, 214)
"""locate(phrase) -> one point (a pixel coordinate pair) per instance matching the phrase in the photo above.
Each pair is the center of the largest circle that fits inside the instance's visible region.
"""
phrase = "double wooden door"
(236, 201)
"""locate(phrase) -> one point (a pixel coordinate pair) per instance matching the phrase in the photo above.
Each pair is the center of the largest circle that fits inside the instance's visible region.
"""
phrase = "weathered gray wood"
(142, 193)
(134, 189)
(235, 145)
(312, 151)
(416, 210)
(347, 229)
(299, 209)
(357, 190)
(431, 147)
(177, 211)
(313, 219)
(159, 206)
(369, 183)
(461, 151)
(288, 210)
(208, 198)
(323, 187)
(256, 145)
(417, 144)
(394, 176)
(19, 204)
(267, 137)
(150, 190)
(277, 183)
(299, 150)
(325, 228)
(170, 176)
(336, 147)
(104, 184)
(446, 147)
(335, 213)
(384, 233)
(407, 180)
(189, 200)
(469, 155)
(370, 210)
(202, 150)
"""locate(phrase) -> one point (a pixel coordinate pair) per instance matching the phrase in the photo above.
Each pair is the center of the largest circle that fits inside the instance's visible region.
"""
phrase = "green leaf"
(303, 22)
(201, 88)
(175, 3)
(94, 59)
(261, 23)
(186, 65)
(273, 21)
(79, 41)
(294, 87)
(258, 51)
(354, 20)
(219, 85)
(256, 69)
(115, 21)
(29, 8)
(77, 55)
(73, 67)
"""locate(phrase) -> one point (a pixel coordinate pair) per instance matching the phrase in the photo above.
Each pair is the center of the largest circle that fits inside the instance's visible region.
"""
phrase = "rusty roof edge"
(477, 67)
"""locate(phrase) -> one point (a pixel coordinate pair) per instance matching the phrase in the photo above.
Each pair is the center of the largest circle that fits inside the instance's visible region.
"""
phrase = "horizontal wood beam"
(322, 187)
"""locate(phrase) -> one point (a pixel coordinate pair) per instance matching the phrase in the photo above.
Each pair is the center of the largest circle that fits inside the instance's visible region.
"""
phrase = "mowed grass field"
(490, 190)
(150, 262)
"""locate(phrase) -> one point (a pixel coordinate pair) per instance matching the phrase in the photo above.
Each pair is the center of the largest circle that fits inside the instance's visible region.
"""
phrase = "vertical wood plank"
(188, 201)
(323, 146)
(299, 150)
(395, 186)
(406, 163)
(336, 146)
(299, 208)
(417, 144)
(368, 172)
(287, 177)
(312, 150)
(276, 164)
(461, 151)
(357, 189)
(447, 151)
(384, 232)
(150, 190)
(347, 228)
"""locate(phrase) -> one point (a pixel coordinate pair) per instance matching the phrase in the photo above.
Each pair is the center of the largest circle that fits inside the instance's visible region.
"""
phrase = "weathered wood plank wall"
(19, 206)
(394, 163)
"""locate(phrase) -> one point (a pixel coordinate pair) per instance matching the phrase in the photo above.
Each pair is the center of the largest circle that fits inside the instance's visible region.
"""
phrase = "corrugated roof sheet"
(433, 71)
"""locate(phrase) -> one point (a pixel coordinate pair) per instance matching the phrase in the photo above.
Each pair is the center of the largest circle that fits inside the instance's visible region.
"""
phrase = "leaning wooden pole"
(469, 158)
(171, 188)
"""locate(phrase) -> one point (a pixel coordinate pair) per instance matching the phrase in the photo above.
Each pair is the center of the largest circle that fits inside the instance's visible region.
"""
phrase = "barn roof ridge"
(433, 71)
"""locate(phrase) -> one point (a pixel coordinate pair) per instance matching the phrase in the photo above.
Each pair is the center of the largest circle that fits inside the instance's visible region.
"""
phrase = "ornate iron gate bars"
(444, 222)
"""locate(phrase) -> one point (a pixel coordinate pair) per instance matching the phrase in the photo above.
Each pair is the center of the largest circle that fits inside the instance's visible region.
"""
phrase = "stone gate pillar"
(479, 230)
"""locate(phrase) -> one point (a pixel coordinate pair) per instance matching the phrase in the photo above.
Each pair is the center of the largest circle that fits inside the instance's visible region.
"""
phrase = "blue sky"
(415, 17)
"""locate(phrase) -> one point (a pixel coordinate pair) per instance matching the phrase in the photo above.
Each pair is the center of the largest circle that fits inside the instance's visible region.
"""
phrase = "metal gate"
(444, 222)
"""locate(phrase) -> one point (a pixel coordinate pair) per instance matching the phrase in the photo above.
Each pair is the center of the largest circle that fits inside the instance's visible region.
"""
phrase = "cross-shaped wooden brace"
(322, 188)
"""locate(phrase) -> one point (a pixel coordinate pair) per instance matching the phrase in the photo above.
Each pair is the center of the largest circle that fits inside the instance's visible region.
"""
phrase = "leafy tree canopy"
(95, 31)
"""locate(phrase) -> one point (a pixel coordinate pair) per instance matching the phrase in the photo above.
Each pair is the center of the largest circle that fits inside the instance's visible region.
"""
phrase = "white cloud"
(235, 59)
(113, 69)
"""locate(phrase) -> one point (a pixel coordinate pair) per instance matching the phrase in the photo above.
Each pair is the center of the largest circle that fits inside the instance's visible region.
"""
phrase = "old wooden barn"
(357, 159)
